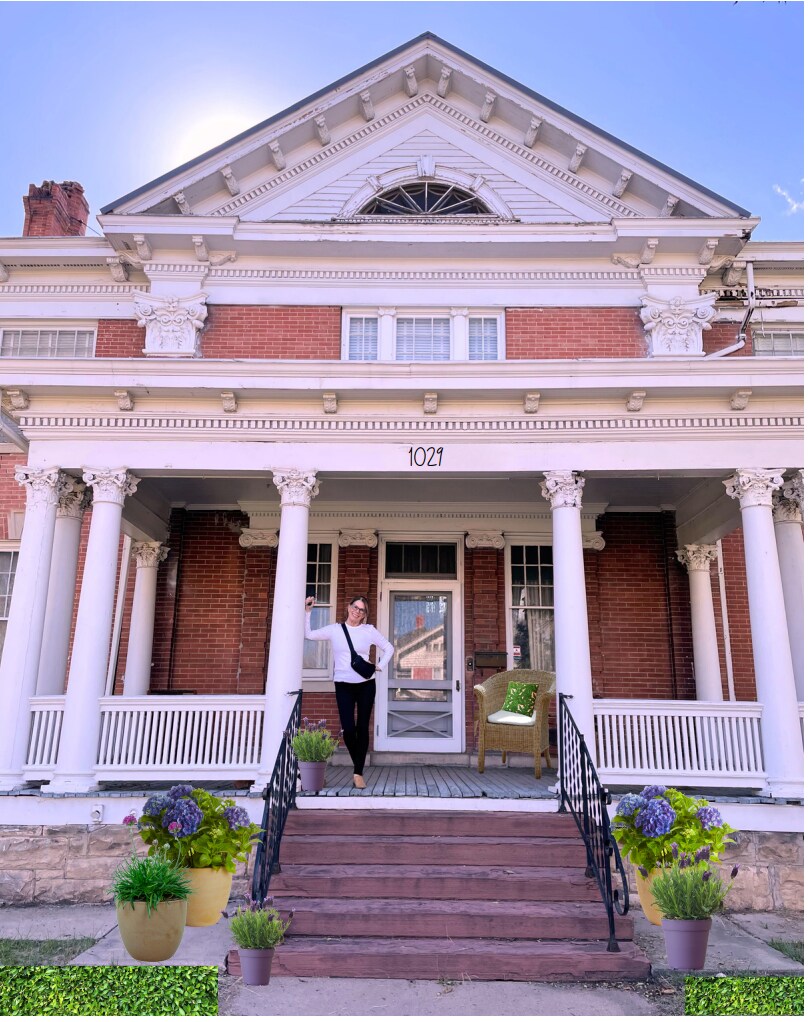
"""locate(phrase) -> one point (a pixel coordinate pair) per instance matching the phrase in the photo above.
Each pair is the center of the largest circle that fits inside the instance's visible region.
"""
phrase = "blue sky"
(116, 94)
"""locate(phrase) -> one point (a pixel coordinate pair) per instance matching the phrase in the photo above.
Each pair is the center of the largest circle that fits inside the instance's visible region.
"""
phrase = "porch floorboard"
(436, 782)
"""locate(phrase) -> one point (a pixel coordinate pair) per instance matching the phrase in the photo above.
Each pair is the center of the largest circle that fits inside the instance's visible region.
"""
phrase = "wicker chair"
(530, 738)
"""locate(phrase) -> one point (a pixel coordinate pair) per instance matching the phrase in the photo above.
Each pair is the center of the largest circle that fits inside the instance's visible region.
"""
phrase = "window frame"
(458, 331)
(9, 546)
(510, 543)
(15, 325)
(312, 674)
(779, 328)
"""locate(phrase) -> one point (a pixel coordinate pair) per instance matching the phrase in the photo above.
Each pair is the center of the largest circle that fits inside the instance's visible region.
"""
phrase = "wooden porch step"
(430, 823)
(445, 958)
(417, 917)
(526, 883)
(405, 849)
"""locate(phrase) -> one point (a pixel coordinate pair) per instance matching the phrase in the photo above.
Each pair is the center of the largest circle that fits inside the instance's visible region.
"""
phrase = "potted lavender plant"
(257, 929)
(313, 747)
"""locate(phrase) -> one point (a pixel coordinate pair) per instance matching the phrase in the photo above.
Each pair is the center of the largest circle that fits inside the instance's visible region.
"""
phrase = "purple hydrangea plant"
(180, 791)
(653, 791)
(237, 817)
(655, 818)
(709, 817)
(186, 813)
(156, 805)
(629, 804)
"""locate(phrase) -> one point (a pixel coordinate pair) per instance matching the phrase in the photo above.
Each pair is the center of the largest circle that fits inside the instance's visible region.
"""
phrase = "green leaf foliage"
(314, 744)
(109, 990)
(692, 892)
(744, 995)
(151, 880)
(256, 928)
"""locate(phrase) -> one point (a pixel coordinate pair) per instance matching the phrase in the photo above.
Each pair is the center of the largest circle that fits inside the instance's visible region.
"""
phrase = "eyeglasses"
(361, 607)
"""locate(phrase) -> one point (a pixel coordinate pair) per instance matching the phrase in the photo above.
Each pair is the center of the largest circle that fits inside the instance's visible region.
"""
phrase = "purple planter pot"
(312, 776)
(256, 965)
(686, 942)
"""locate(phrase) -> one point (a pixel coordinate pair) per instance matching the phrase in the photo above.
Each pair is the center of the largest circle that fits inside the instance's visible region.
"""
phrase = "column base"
(776, 788)
(258, 785)
(70, 783)
(10, 781)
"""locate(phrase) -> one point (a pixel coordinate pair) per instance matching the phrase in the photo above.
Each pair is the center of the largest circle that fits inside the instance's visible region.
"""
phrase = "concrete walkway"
(738, 943)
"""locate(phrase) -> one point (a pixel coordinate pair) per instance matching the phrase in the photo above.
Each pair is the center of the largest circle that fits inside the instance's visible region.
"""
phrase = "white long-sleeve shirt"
(362, 637)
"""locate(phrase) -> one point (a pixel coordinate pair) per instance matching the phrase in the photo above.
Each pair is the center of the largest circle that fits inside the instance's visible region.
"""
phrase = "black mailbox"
(491, 658)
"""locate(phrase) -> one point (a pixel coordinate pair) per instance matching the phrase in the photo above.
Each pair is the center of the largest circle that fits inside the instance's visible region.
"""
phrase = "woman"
(354, 694)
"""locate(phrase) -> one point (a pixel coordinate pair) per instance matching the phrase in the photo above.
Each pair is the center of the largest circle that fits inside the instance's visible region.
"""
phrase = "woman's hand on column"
(309, 602)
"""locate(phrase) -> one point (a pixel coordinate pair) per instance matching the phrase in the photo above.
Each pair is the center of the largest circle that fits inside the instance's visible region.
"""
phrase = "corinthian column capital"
(148, 554)
(295, 487)
(44, 486)
(563, 489)
(110, 485)
(697, 556)
(75, 499)
(753, 487)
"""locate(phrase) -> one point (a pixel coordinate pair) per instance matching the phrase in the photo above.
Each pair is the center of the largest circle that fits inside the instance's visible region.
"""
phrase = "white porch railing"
(677, 742)
(160, 737)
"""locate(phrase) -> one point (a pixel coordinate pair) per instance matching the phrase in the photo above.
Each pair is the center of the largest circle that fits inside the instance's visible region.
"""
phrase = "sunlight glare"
(209, 130)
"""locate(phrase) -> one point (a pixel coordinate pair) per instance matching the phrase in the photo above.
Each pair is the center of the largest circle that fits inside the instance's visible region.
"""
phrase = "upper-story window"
(423, 335)
(47, 342)
(778, 342)
(422, 198)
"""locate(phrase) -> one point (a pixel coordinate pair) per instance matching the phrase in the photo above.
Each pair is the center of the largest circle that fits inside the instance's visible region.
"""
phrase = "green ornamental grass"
(313, 742)
(154, 879)
(689, 890)
(257, 925)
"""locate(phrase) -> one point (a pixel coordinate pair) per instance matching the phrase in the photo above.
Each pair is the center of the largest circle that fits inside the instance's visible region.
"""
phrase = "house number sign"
(425, 457)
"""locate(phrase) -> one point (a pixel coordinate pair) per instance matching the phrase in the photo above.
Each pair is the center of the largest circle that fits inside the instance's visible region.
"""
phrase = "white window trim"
(778, 328)
(319, 679)
(458, 329)
(49, 324)
(10, 546)
(510, 542)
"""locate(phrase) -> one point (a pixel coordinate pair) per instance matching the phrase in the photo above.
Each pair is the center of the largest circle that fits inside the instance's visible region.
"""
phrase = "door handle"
(457, 685)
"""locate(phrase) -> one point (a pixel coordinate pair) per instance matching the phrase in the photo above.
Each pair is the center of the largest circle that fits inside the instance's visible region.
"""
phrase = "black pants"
(355, 705)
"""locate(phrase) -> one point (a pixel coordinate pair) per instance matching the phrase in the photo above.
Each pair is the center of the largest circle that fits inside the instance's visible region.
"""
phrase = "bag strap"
(348, 639)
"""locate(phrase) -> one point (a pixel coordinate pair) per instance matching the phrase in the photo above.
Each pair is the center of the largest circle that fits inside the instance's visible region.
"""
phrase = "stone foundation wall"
(46, 865)
(71, 863)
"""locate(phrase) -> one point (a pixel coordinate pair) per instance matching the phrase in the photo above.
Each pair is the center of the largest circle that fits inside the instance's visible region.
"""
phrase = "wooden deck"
(437, 782)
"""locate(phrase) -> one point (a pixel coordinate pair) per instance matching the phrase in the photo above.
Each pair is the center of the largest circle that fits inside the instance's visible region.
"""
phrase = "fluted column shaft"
(788, 507)
(61, 589)
(137, 673)
(572, 661)
(696, 558)
(774, 675)
(78, 745)
(285, 665)
(23, 642)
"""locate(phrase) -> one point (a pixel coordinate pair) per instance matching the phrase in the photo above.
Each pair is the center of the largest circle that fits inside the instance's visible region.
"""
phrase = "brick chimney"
(55, 210)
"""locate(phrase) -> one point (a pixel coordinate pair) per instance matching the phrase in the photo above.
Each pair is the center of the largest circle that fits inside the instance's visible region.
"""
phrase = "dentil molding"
(753, 487)
(173, 324)
(674, 326)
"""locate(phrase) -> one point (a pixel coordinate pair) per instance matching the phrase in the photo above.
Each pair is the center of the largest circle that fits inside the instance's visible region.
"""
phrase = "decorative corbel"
(649, 251)
(485, 540)
(621, 183)
(119, 269)
(635, 400)
(229, 402)
(276, 153)
(3, 274)
(630, 262)
(410, 81)
(200, 248)
(183, 204)
(708, 251)
(367, 105)
(425, 165)
(358, 537)
(594, 541)
(250, 538)
(125, 400)
(219, 258)
(19, 399)
(739, 400)
(674, 325)
(430, 403)
(144, 249)
(670, 205)
(444, 81)
(533, 130)
(531, 403)
(230, 180)
(577, 157)
(173, 325)
(731, 277)
(488, 106)
(323, 133)
(330, 403)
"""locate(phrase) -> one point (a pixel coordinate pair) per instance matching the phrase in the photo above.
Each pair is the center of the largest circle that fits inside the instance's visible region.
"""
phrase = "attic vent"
(427, 198)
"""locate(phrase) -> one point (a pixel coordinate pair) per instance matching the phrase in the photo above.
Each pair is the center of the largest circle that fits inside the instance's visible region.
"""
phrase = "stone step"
(446, 958)
(418, 917)
(534, 883)
(430, 823)
(405, 849)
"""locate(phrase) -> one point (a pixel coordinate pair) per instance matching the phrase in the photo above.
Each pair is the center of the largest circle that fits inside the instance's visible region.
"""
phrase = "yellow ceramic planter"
(649, 906)
(151, 936)
(210, 891)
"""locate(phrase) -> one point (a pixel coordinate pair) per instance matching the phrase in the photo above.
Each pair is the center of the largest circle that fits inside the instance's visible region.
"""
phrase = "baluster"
(193, 759)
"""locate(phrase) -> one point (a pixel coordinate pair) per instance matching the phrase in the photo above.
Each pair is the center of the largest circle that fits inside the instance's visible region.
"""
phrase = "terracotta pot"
(210, 891)
(686, 942)
(649, 906)
(312, 776)
(152, 936)
(256, 965)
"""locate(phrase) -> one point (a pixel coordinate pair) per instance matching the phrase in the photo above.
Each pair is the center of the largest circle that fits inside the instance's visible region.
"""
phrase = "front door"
(419, 703)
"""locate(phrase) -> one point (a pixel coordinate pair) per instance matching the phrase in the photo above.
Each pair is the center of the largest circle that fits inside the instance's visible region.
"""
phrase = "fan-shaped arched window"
(423, 198)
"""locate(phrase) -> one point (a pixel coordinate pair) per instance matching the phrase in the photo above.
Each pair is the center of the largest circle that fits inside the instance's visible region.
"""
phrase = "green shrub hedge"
(744, 995)
(109, 990)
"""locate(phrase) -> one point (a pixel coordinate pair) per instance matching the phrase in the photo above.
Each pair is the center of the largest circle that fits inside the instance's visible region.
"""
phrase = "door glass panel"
(419, 675)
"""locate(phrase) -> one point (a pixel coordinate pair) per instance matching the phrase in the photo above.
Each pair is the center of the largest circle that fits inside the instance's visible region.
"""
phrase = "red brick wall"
(12, 495)
(485, 620)
(55, 210)
(574, 333)
(119, 338)
(273, 331)
(723, 335)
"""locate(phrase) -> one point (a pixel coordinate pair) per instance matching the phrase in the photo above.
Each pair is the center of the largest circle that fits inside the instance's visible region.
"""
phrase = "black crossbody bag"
(362, 667)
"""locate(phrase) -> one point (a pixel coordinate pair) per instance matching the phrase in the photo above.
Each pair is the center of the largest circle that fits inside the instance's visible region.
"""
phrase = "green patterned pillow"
(520, 698)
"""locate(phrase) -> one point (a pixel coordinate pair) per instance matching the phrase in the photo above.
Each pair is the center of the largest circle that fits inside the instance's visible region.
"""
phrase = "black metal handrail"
(584, 796)
(279, 797)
